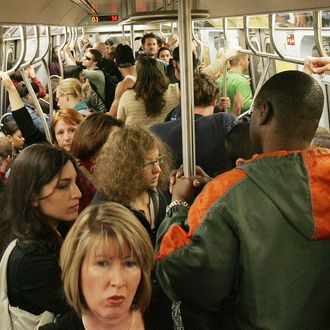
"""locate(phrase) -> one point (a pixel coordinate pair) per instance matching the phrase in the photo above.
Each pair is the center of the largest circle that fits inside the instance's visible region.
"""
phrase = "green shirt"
(237, 83)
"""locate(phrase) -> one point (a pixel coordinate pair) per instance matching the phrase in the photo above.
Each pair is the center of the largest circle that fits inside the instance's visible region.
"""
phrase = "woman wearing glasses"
(131, 168)
(69, 94)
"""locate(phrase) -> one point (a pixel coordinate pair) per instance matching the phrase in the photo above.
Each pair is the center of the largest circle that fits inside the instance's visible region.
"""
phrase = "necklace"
(131, 326)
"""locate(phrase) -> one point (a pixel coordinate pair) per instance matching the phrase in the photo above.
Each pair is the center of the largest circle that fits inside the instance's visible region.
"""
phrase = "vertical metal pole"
(132, 38)
(2, 56)
(317, 25)
(37, 104)
(123, 31)
(187, 88)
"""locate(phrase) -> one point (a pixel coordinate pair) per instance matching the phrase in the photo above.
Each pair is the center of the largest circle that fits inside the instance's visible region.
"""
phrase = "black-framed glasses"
(159, 160)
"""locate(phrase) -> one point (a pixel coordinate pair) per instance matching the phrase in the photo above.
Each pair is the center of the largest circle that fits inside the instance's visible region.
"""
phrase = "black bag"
(109, 91)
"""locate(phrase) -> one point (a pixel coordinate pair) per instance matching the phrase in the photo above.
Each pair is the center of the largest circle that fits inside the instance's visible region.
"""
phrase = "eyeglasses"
(63, 94)
(152, 163)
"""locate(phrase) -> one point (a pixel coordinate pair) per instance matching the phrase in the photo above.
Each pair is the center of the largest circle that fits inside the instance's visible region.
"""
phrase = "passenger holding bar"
(257, 238)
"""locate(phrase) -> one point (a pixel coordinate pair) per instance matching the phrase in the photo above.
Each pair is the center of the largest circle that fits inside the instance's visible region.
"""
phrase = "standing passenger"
(69, 94)
(125, 61)
(113, 256)
(131, 169)
(91, 135)
(150, 45)
(164, 54)
(62, 128)
(257, 238)
(6, 158)
(210, 129)
(54, 65)
(40, 195)
(107, 65)
(152, 96)
(14, 135)
(237, 82)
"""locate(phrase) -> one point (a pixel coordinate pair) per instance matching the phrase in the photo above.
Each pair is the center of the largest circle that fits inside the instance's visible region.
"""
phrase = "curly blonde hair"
(119, 166)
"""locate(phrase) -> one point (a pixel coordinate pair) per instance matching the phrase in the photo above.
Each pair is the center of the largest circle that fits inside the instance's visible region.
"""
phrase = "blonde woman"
(114, 257)
(69, 94)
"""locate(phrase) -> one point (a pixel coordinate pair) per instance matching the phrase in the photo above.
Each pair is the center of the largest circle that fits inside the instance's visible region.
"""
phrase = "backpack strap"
(96, 91)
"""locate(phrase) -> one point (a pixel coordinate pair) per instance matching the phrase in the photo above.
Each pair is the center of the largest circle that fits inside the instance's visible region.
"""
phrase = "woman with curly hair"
(131, 167)
(152, 96)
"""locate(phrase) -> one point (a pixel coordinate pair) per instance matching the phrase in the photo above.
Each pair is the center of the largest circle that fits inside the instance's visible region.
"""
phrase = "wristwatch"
(174, 204)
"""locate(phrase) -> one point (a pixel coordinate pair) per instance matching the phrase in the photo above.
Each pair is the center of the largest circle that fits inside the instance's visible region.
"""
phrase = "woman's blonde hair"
(97, 227)
(71, 86)
(120, 164)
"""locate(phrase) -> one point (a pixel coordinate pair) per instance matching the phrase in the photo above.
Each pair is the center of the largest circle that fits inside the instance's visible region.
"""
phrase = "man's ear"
(266, 113)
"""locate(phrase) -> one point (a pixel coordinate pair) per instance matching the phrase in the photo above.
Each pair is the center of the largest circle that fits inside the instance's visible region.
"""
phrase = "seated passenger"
(69, 95)
(152, 96)
(210, 130)
(41, 194)
(113, 255)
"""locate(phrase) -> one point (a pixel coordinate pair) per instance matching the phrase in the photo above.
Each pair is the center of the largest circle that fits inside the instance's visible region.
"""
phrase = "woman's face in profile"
(17, 139)
(109, 280)
(59, 199)
(151, 168)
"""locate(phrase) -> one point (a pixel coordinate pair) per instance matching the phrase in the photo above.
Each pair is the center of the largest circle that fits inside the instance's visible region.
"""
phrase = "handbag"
(14, 318)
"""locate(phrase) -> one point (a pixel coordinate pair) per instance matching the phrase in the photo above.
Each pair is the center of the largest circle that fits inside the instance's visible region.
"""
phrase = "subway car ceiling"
(80, 12)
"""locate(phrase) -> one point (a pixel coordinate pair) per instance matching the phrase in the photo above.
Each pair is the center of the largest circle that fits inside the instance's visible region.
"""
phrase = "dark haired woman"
(86, 145)
(152, 96)
(40, 195)
(14, 135)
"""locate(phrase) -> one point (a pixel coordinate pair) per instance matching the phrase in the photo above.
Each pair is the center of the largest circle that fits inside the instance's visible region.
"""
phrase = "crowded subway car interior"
(106, 116)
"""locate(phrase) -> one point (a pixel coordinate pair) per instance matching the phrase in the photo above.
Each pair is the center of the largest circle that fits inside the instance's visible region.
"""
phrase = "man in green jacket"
(253, 250)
